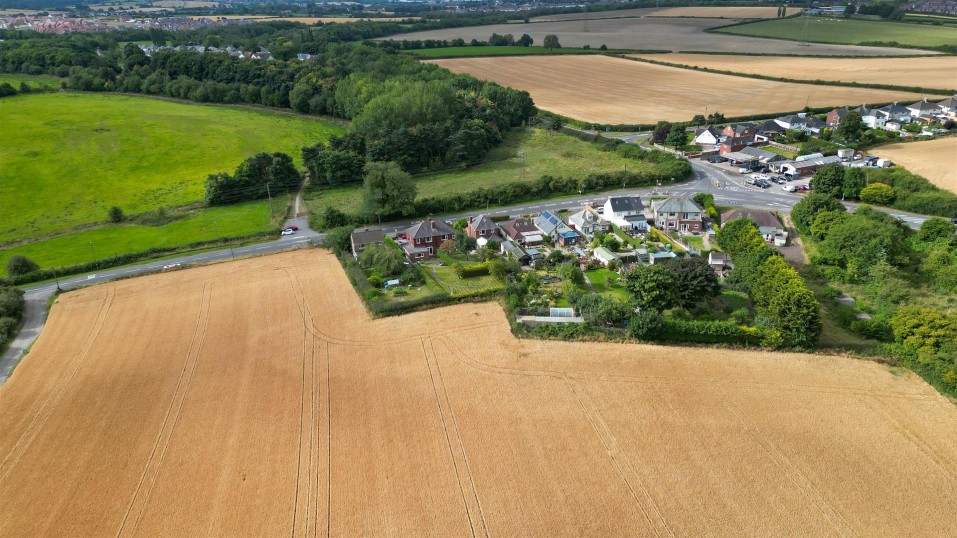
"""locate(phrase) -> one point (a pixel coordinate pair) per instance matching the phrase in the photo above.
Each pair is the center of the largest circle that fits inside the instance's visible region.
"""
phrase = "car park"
(714, 159)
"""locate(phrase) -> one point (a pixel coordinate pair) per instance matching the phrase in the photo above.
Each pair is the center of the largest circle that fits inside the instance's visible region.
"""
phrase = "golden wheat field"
(936, 160)
(257, 398)
(729, 12)
(612, 90)
(927, 72)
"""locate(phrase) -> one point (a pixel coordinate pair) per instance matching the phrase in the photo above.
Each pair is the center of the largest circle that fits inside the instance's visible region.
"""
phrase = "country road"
(727, 187)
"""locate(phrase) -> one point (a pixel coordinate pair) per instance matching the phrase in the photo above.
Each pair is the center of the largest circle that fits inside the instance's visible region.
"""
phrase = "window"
(430, 251)
(418, 241)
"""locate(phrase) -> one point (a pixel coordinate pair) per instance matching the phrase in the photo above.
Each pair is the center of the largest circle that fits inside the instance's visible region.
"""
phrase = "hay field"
(611, 90)
(651, 33)
(928, 72)
(936, 160)
(256, 398)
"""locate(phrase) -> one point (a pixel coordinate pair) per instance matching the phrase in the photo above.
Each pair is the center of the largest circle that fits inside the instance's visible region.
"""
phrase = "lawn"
(462, 52)
(227, 221)
(597, 279)
(34, 81)
(546, 153)
(68, 157)
(848, 31)
(455, 286)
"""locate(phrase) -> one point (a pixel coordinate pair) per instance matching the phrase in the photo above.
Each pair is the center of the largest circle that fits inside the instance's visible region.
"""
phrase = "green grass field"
(849, 31)
(463, 52)
(548, 153)
(228, 221)
(38, 81)
(597, 278)
(455, 286)
(68, 157)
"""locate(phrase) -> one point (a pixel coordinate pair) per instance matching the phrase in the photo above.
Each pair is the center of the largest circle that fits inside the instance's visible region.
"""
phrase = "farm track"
(443, 423)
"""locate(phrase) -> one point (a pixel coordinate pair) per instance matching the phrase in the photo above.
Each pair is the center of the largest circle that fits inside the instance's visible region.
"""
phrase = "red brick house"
(481, 226)
(422, 240)
(834, 116)
(731, 145)
(739, 130)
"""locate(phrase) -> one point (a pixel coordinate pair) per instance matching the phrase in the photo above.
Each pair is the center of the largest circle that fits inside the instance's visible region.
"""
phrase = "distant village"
(61, 24)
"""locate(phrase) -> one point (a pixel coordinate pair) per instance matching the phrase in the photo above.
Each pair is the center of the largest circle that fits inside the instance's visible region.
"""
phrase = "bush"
(645, 324)
(115, 214)
(877, 193)
(19, 265)
(7, 326)
(480, 269)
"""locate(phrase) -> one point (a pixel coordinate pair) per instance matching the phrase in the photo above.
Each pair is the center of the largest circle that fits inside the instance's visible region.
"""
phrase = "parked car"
(714, 159)
(780, 180)
(789, 188)
(750, 181)
(293, 228)
(288, 231)
(743, 170)
(762, 183)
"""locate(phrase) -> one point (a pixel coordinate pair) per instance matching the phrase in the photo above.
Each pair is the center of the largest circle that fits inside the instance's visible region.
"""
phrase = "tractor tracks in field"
(56, 394)
(144, 488)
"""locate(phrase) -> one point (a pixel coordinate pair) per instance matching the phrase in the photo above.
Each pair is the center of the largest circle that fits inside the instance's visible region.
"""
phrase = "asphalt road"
(728, 188)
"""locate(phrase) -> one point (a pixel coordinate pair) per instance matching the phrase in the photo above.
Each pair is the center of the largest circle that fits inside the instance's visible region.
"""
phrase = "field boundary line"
(46, 409)
(614, 453)
(458, 438)
(328, 417)
(161, 445)
(303, 495)
(780, 459)
(448, 438)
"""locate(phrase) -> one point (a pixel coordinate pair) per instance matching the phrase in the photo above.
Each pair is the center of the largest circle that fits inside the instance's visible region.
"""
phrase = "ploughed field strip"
(617, 91)
(258, 398)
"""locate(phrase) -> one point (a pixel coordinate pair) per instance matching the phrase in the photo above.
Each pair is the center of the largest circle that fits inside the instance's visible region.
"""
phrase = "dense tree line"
(779, 293)
(894, 187)
(255, 178)
(11, 311)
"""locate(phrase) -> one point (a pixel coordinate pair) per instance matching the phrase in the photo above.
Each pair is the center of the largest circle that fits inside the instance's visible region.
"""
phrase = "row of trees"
(893, 187)
(255, 178)
(778, 292)
(11, 311)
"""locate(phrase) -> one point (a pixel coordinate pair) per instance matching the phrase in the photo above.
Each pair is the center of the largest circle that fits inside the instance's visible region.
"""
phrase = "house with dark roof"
(769, 128)
(363, 237)
(681, 214)
(795, 122)
(422, 239)
(923, 108)
(896, 112)
(872, 117)
(834, 117)
(481, 226)
(626, 212)
(948, 106)
(763, 156)
(707, 136)
(731, 145)
(521, 231)
(588, 222)
(813, 125)
(512, 249)
(767, 223)
(551, 225)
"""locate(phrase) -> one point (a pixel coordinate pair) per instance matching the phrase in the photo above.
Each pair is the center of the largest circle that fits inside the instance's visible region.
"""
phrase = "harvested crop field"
(716, 12)
(926, 72)
(256, 398)
(611, 90)
(936, 160)
(650, 33)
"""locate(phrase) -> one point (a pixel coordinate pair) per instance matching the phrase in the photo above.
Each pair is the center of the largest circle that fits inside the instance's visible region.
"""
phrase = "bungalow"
(553, 226)
(806, 167)
(422, 240)
(769, 128)
(768, 224)
(509, 248)
(588, 222)
(948, 106)
(481, 226)
(522, 231)
(363, 237)
(604, 256)
(678, 214)
(794, 122)
(896, 112)
(835, 116)
(814, 125)
(923, 108)
(707, 136)
(626, 212)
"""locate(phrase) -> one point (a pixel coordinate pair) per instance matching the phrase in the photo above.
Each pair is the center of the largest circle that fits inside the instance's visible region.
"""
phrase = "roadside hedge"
(711, 332)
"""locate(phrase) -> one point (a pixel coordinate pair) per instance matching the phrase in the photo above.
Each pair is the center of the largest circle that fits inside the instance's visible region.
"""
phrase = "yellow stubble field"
(926, 72)
(936, 160)
(611, 90)
(258, 398)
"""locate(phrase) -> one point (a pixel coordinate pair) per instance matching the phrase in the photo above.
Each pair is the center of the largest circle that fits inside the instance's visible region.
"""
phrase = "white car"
(789, 188)
(288, 231)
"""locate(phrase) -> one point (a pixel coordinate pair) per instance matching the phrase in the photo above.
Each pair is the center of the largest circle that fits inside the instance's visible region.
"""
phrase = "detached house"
(679, 214)
(896, 113)
(422, 240)
(924, 108)
(731, 145)
(363, 237)
(481, 226)
(707, 136)
(768, 224)
(835, 116)
(948, 106)
(522, 231)
(588, 222)
(794, 122)
(872, 117)
(626, 212)
(553, 226)
(739, 130)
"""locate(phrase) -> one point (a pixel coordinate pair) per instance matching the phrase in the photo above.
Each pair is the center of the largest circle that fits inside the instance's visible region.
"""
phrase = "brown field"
(650, 33)
(927, 72)
(936, 160)
(611, 90)
(256, 398)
